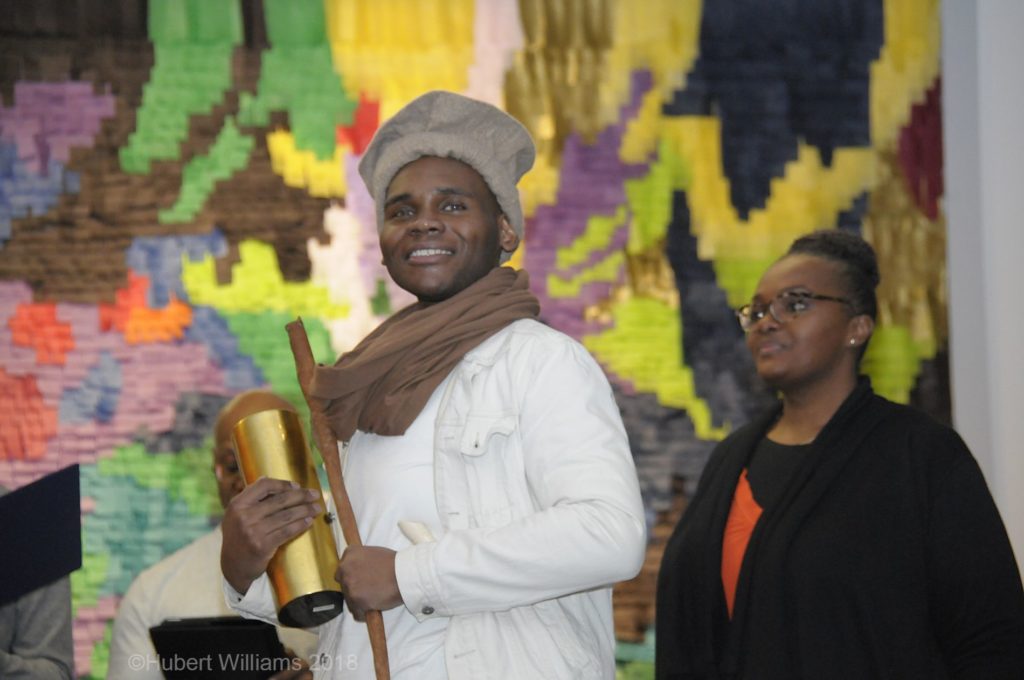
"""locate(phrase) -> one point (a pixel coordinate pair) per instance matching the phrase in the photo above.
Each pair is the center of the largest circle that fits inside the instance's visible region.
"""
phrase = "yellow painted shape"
(642, 132)
(395, 50)
(539, 186)
(662, 36)
(893, 362)
(906, 67)
(596, 236)
(650, 200)
(606, 270)
(808, 196)
(645, 347)
(300, 168)
(256, 286)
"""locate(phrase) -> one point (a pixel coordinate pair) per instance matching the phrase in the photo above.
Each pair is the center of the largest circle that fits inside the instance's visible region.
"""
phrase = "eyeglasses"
(783, 307)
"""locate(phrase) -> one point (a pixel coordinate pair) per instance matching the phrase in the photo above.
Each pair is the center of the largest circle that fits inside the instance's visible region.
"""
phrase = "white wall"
(983, 121)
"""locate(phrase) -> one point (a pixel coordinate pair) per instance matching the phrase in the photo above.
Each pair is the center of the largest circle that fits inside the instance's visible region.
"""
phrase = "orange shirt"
(743, 515)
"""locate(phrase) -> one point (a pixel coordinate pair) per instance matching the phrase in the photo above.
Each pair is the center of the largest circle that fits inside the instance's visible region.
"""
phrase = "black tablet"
(227, 647)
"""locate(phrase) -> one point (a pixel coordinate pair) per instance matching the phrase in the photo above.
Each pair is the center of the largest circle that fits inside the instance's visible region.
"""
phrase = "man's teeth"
(426, 252)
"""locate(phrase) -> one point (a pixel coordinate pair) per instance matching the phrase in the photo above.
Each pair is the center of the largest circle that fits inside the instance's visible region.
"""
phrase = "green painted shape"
(179, 22)
(216, 22)
(193, 42)
(650, 199)
(297, 76)
(148, 505)
(263, 337)
(892, 362)
(229, 154)
(648, 209)
(87, 582)
(738, 277)
(380, 303)
(643, 652)
(644, 346)
(101, 653)
(295, 23)
(605, 270)
(186, 80)
(635, 670)
(186, 476)
(597, 236)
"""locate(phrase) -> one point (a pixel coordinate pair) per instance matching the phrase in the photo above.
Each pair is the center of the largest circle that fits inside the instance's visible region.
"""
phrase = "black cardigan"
(885, 558)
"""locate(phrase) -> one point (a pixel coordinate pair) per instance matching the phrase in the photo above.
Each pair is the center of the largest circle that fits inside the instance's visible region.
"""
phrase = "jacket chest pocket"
(490, 450)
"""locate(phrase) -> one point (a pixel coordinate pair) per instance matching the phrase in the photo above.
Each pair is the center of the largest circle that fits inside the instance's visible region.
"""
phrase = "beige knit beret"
(449, 125)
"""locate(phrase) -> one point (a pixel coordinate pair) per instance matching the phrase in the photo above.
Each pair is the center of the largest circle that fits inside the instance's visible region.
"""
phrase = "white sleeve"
(590, 530)
(257, 603)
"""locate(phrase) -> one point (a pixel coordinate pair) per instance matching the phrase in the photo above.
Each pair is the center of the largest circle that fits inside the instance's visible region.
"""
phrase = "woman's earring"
(853, 341)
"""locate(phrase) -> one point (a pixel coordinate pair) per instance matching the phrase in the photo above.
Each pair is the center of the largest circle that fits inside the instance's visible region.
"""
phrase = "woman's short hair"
(857, 261)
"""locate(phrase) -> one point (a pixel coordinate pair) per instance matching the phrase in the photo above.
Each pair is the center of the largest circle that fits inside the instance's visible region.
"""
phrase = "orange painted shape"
(36, 326)
(158, 325)
(131, 315)
(26, 422)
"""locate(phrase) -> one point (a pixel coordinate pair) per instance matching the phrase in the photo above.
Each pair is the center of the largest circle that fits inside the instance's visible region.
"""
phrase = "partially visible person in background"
(188, 583)
(840, 535)
(35, 634)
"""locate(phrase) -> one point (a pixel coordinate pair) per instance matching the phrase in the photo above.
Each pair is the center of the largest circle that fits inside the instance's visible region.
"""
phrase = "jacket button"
(427, 611)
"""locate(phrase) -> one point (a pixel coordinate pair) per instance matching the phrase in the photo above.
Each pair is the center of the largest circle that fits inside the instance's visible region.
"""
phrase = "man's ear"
(508, 239)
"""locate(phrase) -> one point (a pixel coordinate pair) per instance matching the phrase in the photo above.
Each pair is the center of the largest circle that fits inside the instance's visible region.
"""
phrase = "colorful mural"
(166, 207)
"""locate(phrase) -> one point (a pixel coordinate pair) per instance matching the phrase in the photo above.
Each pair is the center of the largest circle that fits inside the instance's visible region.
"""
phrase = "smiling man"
(443, 229)
(496, 434)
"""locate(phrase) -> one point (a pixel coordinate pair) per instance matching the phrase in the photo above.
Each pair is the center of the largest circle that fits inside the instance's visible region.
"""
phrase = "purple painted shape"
(618, 242)
(47, 120)
(592, 183)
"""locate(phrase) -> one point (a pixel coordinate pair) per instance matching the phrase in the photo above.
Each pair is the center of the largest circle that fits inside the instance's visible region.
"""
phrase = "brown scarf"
(384, 383)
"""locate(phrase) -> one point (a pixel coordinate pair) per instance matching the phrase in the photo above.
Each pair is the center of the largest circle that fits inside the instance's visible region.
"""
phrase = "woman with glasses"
(840, 535)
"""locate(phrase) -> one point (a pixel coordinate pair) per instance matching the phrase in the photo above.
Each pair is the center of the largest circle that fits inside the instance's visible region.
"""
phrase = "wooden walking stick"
(305, 365)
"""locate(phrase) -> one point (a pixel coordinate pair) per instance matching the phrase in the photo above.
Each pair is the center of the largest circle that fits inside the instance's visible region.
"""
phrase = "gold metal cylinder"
(272, 444)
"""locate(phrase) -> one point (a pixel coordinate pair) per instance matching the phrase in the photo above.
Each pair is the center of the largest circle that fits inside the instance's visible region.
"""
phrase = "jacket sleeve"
(257, 603)
(977, 603)
(41, 647)
(589, 530)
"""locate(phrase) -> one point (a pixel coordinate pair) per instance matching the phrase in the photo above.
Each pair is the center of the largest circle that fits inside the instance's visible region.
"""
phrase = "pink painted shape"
(88, 629)
(152, 375)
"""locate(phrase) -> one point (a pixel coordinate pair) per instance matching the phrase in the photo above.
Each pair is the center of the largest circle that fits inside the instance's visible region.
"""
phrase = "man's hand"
(367, 578)
(261, 518)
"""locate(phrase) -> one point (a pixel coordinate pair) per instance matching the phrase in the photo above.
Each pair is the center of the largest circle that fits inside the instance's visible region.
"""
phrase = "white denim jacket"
(538, 496)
